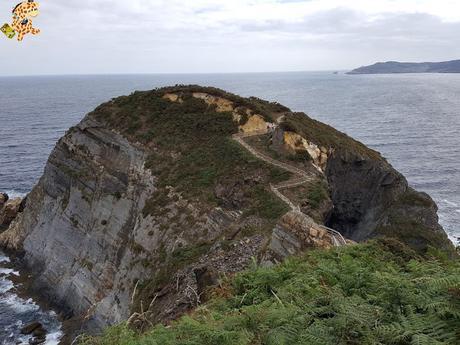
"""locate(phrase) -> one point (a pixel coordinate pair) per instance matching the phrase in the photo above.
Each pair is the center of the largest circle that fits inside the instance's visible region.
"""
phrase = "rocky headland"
(391, 67)
(154, 196)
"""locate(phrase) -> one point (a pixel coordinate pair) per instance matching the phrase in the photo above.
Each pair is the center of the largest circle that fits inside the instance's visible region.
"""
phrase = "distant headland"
(409, 67)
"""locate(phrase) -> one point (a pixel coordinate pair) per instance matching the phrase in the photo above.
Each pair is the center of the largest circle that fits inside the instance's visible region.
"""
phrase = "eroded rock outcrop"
(296, 233)
(294, 143)
(371, 199)
(9, 209)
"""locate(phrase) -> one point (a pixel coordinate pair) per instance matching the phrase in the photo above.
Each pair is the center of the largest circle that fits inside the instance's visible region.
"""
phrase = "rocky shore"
(23, 292)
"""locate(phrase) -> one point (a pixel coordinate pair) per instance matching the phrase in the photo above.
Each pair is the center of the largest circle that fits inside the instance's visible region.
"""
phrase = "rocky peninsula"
(152, 197)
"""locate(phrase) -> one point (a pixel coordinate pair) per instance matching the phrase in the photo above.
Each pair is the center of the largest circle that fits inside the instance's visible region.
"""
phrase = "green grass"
(317, 194)
(265, 205)
(376, 293)
(192, 146)
(326, 136)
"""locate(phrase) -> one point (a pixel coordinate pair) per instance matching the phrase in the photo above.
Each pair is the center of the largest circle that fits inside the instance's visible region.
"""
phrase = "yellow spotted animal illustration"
(22, 18)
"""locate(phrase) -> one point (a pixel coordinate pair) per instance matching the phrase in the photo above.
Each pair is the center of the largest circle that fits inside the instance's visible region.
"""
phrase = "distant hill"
(409, 67)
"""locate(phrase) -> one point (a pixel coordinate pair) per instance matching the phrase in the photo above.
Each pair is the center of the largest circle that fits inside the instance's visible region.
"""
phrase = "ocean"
(412, 119)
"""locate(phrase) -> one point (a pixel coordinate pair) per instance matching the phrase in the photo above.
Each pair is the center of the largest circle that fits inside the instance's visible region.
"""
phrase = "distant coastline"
(391, 67)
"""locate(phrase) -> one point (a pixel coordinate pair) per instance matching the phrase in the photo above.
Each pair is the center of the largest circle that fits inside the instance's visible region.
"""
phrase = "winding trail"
(301, 178)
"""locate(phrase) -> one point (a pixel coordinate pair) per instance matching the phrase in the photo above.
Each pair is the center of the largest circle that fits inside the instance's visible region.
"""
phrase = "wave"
(14, 194)
(5, 286)
(8, 271)
(18, 304)
(450, 203)
(21, 311)
(54, 337)
(4, 258)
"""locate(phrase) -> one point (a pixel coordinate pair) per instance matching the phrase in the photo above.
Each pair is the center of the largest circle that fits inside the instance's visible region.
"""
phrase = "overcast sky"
(194, 36)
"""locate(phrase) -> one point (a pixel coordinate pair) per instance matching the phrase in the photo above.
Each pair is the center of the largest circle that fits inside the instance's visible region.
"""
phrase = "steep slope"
(153, 196)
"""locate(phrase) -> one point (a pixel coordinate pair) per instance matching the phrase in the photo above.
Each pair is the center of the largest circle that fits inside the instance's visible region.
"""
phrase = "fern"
(359, 295)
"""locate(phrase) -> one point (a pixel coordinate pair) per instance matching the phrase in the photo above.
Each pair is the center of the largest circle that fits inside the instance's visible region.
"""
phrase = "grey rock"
(371, 199)
(31, 327)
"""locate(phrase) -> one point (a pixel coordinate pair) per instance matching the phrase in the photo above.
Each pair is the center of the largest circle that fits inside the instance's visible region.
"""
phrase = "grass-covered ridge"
(326, 136)
(375, 293)
(191, 147)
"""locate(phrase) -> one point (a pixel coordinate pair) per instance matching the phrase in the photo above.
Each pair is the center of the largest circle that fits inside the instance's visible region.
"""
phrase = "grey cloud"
(109, 36)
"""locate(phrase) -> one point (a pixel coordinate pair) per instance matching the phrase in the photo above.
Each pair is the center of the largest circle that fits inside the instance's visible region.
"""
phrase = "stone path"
(302, 177)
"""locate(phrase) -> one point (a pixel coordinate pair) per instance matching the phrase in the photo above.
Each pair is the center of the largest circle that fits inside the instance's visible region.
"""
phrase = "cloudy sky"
(195, 36)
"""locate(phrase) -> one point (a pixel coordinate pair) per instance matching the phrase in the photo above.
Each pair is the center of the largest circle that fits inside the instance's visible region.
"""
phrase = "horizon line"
(165, 73)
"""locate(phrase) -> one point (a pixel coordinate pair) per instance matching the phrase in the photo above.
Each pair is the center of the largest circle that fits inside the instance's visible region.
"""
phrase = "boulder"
(3, 199)
(9, 211)
(37, 340)
(295, 233)
(38, 332)
(31, 327)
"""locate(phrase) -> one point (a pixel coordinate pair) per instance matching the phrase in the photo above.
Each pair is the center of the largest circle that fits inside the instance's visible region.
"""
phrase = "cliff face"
(152, 197)
(371, 199)
(81, 220)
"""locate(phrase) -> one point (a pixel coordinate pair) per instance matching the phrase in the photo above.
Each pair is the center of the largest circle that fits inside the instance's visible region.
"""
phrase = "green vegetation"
(264, 205)
(413, 198)
(191, 143)
(268, 110)
(381, 292)
(185, 255)
(317, 194)
(324, 135)
(263, 143)
(191, 149)
(300, 156)
(179, 258)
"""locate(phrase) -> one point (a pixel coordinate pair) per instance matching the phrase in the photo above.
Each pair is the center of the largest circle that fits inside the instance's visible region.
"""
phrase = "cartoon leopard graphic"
(22, 18)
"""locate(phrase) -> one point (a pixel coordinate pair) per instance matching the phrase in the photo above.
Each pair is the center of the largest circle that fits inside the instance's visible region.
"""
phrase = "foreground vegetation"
(376, 293)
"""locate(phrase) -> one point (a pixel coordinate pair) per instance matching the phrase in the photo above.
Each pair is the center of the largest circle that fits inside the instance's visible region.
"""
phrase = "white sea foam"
(54, 337)
(13, 194)
(8, 271)
(5, 286)
(4, 258)
(19, 304)
(450, 203)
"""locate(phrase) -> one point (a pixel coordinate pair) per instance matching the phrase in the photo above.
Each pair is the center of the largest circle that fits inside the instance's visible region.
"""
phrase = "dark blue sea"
(413, 120)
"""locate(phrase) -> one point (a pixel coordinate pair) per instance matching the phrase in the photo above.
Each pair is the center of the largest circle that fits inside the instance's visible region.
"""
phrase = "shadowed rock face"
(107, 237)
(371, 199)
